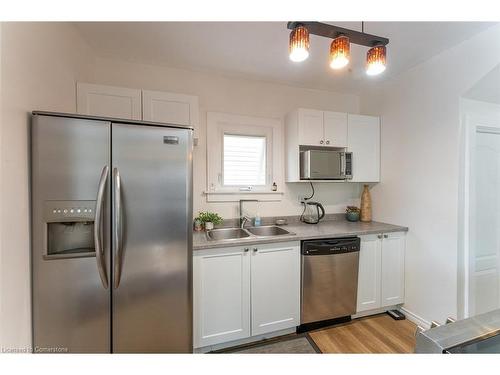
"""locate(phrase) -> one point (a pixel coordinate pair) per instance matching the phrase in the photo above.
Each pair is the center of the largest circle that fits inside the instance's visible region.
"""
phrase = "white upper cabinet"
(172, 108)
(108, 101)
(335, 129)
(393, 267)
(275, 279)
(363, 140)
(321, 128)
(310, 127)
(355, 133)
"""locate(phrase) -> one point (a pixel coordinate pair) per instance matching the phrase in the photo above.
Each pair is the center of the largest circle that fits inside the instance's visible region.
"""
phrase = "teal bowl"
(352, 216)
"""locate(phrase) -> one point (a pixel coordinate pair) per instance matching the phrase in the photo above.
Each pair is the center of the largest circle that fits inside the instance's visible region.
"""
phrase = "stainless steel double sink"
(239, 233)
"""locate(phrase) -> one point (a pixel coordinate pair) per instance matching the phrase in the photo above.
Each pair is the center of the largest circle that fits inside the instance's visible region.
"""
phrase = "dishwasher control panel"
(331, 246)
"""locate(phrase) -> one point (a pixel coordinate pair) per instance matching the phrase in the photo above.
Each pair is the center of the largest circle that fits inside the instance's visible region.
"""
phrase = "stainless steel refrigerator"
(111, 235)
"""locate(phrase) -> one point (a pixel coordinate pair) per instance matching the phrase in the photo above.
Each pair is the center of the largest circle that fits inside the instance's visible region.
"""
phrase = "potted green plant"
(209, 219)
(352, 213)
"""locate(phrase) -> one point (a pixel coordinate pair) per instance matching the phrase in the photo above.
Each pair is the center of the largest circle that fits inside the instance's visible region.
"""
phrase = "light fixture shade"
(299, 44)
(375, 60)
(340, 50)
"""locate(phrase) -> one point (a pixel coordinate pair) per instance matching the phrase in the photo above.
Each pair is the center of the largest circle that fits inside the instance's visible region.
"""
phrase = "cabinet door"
(311, 130)
(108, 101)
(170, 108)
(275, 287)
(335, 125)
(221, 296)
(363, 140)
(369, 273)
(393, 267)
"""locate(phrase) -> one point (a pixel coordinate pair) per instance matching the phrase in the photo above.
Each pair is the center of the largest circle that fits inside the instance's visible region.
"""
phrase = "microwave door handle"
(342, 164)
(99, 250)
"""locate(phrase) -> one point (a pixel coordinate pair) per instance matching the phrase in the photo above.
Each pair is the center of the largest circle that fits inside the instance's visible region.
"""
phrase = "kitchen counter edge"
(200, 242)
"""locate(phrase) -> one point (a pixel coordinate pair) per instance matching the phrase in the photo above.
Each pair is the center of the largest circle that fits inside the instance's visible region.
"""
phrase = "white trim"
(418, 320)
(471, 114)
(220, 123)
(235, 196)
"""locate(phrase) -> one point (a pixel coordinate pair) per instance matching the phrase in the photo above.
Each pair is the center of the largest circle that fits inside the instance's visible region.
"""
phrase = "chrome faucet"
(244, 218)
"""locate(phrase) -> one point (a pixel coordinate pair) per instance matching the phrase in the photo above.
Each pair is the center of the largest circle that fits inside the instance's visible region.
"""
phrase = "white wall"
(243, 97)
(40, 63)
(420, 166)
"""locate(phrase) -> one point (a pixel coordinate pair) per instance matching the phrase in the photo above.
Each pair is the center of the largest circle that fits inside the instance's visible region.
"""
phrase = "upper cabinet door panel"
(170, 108)
(363, 136)
(311, 130)
(335, 125)
(108, 101)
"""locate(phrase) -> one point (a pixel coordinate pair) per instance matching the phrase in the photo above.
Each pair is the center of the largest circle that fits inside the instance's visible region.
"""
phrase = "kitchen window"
(240, 156)
(244, 161)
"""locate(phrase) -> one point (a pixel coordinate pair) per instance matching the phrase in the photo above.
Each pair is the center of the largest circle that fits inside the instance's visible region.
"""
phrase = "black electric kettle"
(313, 212)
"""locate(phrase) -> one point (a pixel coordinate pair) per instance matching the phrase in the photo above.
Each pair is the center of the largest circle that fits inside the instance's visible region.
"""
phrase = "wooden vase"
(366, 205)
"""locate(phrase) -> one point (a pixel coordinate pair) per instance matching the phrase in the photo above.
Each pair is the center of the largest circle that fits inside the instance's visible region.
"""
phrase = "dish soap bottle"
(256, 220)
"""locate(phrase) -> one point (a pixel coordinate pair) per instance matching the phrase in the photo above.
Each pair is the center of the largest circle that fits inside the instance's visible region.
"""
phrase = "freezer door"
(152, 255)
(71, 306)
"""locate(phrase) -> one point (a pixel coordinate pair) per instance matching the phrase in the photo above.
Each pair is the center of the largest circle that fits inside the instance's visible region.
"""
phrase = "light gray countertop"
(325, 229)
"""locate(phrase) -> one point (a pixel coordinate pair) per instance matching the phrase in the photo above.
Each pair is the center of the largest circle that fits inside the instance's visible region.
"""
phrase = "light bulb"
(376, 60)
(339, 52)
(299, 44)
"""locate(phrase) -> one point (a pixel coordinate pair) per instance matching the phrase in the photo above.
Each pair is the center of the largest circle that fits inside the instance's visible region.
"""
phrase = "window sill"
(235, 196)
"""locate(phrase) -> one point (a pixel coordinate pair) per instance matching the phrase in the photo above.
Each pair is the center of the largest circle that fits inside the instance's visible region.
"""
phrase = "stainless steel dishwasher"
(329, 281)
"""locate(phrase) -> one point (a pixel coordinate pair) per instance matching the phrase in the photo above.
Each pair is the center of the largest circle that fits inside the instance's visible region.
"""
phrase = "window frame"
(219, 124)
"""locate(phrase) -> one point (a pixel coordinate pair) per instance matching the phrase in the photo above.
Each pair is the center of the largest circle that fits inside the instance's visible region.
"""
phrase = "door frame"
(475, 117)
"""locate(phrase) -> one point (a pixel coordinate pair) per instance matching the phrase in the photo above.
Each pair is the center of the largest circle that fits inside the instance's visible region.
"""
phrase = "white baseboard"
(412, 317)
(247, 340)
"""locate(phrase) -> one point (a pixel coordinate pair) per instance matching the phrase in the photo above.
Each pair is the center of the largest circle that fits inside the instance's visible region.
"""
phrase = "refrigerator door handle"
(117, 227)
(99, 250)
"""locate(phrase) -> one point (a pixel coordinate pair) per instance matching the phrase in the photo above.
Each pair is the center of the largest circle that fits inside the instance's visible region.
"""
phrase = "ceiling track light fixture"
(340, 47)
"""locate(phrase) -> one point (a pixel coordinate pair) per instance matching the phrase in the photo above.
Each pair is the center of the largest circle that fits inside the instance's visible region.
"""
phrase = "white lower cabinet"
(369, 273)
(381, 271)
(275, 275)
(244, 291)
(221, 295)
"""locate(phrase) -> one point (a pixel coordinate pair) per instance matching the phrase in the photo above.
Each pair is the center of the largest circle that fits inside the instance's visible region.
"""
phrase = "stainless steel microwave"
(325, 165)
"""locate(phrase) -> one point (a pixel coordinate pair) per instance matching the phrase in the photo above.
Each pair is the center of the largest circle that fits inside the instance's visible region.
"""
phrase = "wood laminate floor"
(374, 334)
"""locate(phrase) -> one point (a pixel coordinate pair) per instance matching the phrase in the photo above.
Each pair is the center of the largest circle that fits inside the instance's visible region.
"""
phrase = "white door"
(484, 245)
(369, 273)
(393, 267)
(170, 108)
(335, 125)
(363, 139)
(108, 101)
(275, 287)
(311, 130)
(221, 295)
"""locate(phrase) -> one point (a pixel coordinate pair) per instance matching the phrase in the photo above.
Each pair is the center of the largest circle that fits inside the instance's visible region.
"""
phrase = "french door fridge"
(111, 235)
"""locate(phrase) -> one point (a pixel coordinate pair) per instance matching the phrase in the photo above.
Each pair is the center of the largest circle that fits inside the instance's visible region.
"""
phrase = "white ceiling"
(487, 89)
(259, 50)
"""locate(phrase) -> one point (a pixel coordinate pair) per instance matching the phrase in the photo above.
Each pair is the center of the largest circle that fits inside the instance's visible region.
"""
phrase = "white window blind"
(244, 160)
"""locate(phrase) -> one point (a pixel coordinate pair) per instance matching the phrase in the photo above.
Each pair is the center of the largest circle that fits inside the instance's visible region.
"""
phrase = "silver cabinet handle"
(386, 236)
(379, 236)
(327, 142)
(255, 249)
(246, 249)
(118, 227)
(99, 250)
(321, 142)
